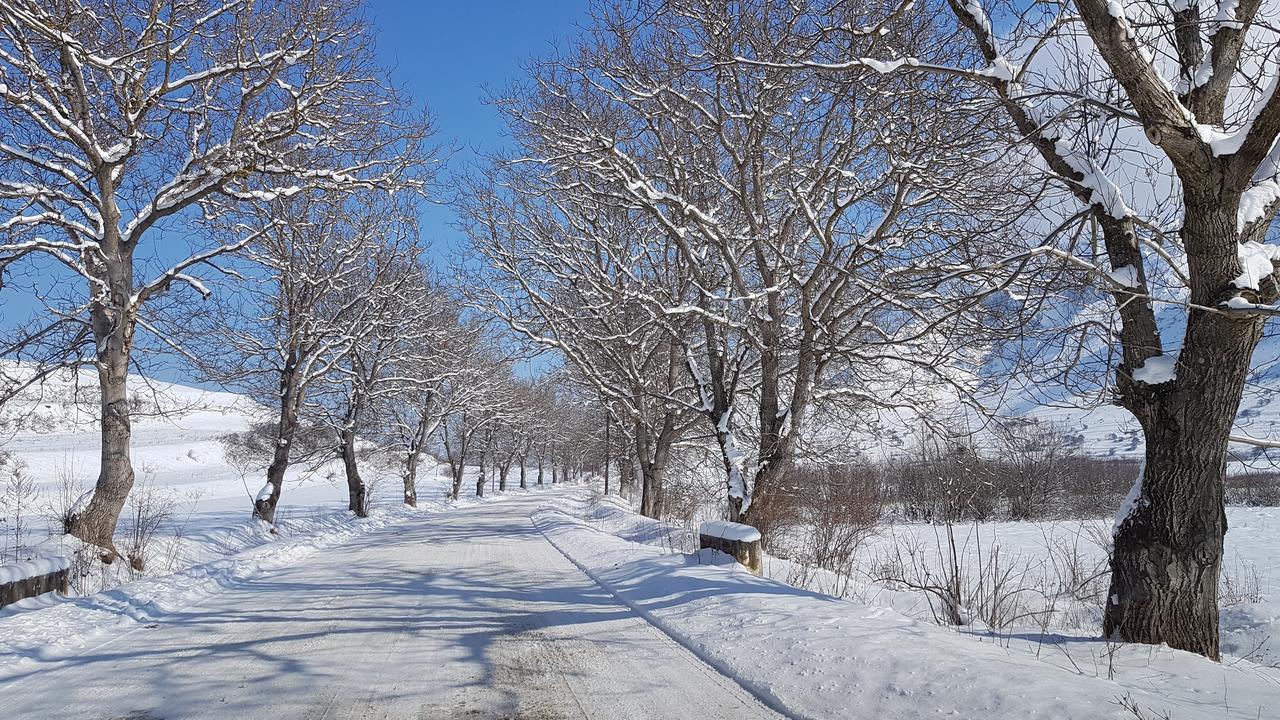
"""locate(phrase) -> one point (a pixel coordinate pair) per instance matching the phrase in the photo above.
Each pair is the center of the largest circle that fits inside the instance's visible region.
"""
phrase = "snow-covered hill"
(202, 502)
(52, 428)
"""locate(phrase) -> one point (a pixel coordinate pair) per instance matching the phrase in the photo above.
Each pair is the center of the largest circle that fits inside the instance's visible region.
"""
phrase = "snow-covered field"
(813, 655)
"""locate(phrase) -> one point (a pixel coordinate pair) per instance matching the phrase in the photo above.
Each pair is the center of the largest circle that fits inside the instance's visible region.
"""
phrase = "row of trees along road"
(725, 215)
(727, 218)
(267, 136)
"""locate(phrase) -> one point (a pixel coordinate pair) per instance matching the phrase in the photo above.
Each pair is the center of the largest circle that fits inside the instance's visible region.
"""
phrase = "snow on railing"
(30, 578)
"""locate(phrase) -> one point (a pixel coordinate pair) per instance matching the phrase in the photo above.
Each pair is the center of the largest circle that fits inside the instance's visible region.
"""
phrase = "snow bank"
(32, 568)
(811, 655)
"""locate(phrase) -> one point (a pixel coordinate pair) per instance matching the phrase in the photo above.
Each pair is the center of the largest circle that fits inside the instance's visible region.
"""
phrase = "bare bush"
(963, 580)
(955, 484)
(1016, 484)
(147, 510)
(68, 491)
(1257, 489)
(18, 496)
(821, 518)
(1240, 584)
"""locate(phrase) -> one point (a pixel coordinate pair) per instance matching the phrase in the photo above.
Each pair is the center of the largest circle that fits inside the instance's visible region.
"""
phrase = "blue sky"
(446, 53)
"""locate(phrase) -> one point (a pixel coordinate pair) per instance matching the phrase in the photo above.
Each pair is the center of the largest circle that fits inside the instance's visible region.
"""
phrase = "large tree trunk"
(777, 433)
(653, 453)
(523, 459)
(264, 506)
(503, 469)
(651, 490)
(539, 469)
(482, 476)
(113, 322)
(1168, 548)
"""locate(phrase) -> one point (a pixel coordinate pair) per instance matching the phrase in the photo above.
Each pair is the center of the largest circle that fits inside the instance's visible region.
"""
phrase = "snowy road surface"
(467, 614)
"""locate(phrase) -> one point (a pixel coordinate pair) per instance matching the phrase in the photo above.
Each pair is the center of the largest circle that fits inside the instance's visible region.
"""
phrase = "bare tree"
(383, 349)
(1160, 124)
(567, 275)
(789, 248)
(118, 118)
(420, 400)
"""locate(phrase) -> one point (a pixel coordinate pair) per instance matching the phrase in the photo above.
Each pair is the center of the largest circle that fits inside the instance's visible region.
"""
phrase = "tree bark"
(264, 508)
(357, 491)
(523, 460)
(411, 479)
(539, 469)
(456, 490)
(413, 458)
(482, 477)
(1168, 549)
(113, 321)
(652, 453)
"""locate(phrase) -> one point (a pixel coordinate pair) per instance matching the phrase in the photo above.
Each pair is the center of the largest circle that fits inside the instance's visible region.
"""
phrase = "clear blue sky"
(447, 52)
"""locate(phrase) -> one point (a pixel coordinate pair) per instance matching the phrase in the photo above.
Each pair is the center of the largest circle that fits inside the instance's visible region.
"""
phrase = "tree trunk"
(456, 490)
(411, 478)
(523, 484)
(651, 455)
(412, 459)
(357, 491)
(650, 490)
(553, 473)
(1168, 549)
(113, 325)
(482, 477)
(503, 469)
(264, 508)
(539, 469)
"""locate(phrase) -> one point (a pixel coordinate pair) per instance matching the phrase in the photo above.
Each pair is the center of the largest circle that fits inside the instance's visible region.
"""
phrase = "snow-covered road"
(468, 614)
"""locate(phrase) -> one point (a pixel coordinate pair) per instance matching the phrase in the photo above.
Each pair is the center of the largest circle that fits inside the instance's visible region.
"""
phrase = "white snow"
(32, 568)
(443, 588)
(1132, 502)
(814, 656)
(729, 531)
(1126, 276)
(264, 493)
(1156, 370)
(1255, 201)
(1102, 189)
(1257, 261)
